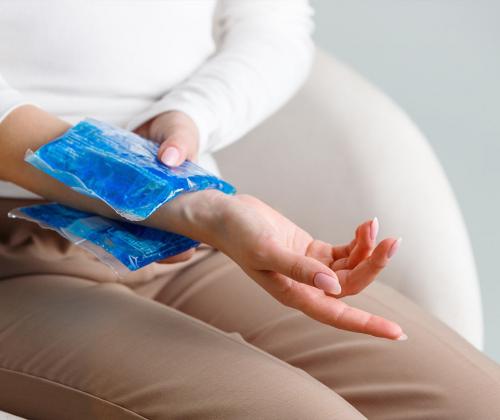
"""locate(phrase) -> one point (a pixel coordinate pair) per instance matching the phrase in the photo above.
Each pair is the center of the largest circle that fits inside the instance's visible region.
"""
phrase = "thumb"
(303, 269)
(173, 151)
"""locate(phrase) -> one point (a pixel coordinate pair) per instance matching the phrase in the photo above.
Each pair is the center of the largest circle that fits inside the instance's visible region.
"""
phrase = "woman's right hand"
(299, 271)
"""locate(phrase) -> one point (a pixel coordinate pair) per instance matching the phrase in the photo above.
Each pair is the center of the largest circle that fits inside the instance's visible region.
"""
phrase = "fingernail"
(394, 248)
(402, 337)
(374, 229)
(327, 283)
(170, 156)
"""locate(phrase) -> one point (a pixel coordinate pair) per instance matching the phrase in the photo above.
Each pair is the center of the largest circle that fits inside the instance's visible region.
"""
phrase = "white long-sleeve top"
(228, 64)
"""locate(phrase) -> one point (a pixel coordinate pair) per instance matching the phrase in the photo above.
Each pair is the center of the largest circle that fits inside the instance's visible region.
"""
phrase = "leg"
(72, 348)
(436, 374)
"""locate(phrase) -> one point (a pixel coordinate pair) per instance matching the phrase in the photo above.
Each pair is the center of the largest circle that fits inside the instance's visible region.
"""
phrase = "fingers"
(178, 135)
(326, 309)
(360, 248)
(176, 149)
(183, 256)
(364, 242)
(299, 267)
(353, 281)
(143, 130)
(357, 320)
(321, 251)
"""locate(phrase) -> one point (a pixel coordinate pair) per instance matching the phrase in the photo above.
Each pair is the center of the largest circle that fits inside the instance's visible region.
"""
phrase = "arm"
(29, 127)
(296, 269)
(263, 54)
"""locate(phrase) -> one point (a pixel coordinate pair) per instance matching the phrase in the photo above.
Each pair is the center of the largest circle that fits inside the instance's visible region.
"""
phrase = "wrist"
(202, 214)
(198, 215)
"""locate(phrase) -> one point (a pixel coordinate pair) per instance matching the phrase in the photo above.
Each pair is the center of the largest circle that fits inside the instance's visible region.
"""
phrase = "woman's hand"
(305, 273)
(178, 136)
(299, 271)
(176, 132)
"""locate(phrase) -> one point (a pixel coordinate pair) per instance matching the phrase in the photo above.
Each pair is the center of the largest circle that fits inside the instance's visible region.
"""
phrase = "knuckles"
(376, 263)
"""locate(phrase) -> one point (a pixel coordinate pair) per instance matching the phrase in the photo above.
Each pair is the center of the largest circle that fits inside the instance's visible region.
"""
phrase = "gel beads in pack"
(121, 245)
(120, 168)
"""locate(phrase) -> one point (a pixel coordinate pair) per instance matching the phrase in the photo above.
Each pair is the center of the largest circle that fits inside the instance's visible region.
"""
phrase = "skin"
(277, 254)
(176, 133)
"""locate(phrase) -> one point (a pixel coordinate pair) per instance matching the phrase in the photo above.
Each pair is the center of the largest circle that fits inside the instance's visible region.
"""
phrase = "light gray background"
(440, 60)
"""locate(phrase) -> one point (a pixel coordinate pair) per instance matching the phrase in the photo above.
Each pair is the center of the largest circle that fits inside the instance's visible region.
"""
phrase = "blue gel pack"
(120, 168)
(121, 245)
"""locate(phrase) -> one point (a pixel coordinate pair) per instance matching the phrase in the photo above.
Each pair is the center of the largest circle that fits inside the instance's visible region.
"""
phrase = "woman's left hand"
(176, 132)
(178, 136)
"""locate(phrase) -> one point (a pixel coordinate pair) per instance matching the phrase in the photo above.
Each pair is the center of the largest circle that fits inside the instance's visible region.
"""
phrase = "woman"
(197, 338)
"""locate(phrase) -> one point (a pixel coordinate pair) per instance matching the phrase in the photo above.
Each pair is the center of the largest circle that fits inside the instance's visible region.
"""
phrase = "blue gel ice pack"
(134, 246)
(120, 168)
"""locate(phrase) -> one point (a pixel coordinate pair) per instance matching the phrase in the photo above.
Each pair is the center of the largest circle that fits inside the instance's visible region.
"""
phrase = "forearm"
(28, 127)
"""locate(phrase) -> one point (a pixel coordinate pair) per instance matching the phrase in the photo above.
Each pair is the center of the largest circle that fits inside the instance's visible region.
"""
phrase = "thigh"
(434, 374)
(73, 348)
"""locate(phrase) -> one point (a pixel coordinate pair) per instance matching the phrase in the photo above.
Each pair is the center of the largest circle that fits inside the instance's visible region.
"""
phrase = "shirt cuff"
(202, 117)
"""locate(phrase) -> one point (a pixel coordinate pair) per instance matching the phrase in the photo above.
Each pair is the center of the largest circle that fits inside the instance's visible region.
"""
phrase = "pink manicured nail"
(402, 337)
(374, 229)
(394, 248)
(327, 283)
(170, 156)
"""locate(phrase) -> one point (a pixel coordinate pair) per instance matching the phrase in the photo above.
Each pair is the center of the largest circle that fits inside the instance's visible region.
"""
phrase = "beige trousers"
(200, 340)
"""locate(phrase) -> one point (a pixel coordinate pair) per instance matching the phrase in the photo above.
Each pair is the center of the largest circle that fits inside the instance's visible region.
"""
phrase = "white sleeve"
(264, 53)
(10, 99)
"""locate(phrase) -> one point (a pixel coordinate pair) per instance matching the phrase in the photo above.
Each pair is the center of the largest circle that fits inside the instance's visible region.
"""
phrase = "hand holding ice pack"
(121, 245)
(120, 168)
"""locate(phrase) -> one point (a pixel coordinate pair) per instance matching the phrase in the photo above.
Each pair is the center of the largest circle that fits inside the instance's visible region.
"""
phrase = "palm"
(283, 259)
